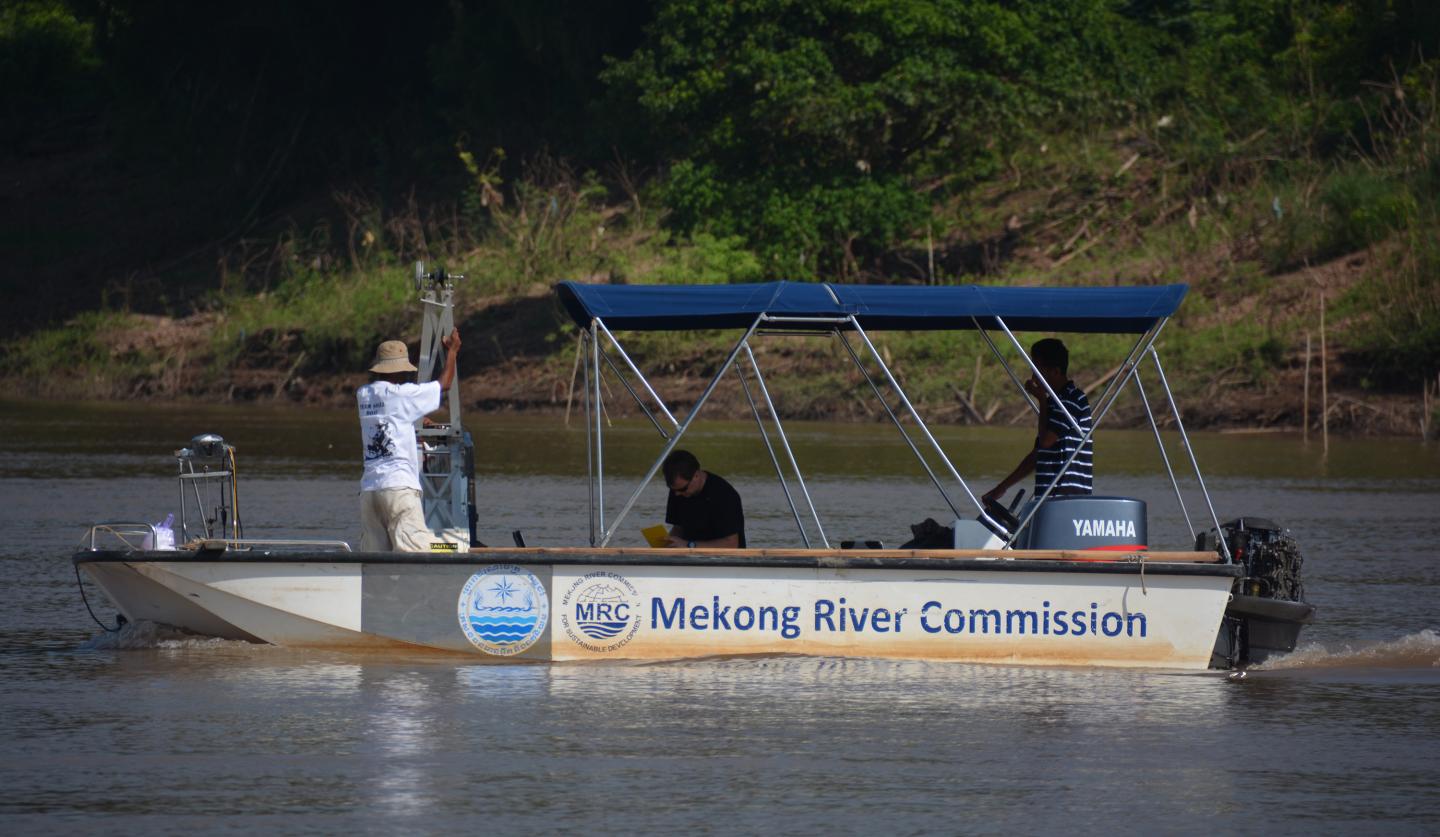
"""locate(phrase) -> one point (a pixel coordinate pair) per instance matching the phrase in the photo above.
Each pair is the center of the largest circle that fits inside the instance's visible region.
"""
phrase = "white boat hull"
(564, 605)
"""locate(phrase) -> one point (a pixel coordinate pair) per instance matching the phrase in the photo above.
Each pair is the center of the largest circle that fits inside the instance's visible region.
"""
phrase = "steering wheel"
(1005, 517)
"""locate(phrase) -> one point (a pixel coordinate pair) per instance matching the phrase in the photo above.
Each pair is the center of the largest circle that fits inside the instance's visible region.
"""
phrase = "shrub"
(1363, 207)
(1356, 207)
(706, 259)
(1395, 311)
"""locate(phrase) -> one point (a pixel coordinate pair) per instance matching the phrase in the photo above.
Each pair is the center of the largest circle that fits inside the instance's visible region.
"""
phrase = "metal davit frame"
(800, 503)
(447, 477)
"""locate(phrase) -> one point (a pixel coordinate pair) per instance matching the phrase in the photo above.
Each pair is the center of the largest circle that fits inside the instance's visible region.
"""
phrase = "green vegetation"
(47, 66)
(102, 353)
(79, 346)
(805, 126)
(1397, 310)
(1270, 153)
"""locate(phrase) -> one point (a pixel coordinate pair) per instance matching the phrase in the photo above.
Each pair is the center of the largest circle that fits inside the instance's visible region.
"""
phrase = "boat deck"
(1036, 560)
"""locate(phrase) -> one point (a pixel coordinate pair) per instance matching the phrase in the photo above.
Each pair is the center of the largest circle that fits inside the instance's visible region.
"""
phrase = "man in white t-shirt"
(391, 517)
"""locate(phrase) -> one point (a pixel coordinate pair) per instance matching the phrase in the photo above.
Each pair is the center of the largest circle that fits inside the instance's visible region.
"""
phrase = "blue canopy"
(1130, 310)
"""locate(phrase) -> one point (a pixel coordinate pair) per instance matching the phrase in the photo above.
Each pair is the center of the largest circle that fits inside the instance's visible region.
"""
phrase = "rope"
(119, 619)
(1134, 558)
(236, 526)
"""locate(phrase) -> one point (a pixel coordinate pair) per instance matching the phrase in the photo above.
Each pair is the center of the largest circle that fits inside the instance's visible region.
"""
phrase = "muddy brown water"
(149, 730)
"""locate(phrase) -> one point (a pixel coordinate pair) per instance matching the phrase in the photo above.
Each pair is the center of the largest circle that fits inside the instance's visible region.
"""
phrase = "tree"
(807, 127)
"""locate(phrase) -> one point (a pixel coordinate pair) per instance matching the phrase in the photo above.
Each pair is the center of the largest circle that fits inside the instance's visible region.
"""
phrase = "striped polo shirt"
(1079, 477)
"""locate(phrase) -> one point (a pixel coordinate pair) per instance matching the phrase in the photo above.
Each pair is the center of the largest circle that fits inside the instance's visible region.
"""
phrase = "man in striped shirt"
(1055, 437)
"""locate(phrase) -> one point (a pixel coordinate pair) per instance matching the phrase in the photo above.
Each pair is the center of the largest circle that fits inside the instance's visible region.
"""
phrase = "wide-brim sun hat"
(392, 356)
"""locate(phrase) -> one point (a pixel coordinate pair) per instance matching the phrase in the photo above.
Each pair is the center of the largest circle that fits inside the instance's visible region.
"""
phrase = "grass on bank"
(93, 355)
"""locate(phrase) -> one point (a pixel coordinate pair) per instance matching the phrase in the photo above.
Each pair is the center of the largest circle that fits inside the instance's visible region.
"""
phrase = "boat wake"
(1416, 651)
(145, 636)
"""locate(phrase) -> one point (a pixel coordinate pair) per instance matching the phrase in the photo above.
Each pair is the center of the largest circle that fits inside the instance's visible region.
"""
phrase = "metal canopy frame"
(602, 530)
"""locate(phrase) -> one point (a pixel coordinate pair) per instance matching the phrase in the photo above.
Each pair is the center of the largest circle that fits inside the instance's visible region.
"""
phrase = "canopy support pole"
(895, 385)
(679, 433)
(769, 448)
(1005, 364)
(898, 426)
(1035, 370)
(599, 433)
(1124, 376)
(585, 337)
(638, 374)
(1112, 391)
(1185, 442)
(785, 442)
(633, 394)
(1164, 457)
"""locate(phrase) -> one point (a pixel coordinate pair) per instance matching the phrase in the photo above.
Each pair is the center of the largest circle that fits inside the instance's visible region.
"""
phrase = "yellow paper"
(656, 536)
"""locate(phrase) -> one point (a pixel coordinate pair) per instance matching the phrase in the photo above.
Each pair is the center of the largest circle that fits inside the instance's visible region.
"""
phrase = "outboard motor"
(1084, 521)
(1267, 608)
(1271, 557)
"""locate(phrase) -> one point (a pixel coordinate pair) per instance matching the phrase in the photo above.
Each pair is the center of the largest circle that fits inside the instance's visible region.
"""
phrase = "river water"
(148, 730)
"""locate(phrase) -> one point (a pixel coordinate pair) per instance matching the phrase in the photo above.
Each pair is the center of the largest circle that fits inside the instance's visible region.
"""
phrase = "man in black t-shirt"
(704, 509)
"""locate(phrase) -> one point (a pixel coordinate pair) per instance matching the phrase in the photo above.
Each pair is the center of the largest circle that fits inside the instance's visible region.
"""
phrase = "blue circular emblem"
(503, 609)
(601, 611)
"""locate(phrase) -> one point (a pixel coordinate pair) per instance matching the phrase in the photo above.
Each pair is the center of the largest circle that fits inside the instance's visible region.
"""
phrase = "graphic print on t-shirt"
(388, 413)
(380, 445)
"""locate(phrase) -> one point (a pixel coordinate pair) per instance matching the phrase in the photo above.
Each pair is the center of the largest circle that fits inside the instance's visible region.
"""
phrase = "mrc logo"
(601, 611)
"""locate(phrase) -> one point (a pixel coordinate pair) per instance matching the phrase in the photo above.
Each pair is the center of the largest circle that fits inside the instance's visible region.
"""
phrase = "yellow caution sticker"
(444, 546)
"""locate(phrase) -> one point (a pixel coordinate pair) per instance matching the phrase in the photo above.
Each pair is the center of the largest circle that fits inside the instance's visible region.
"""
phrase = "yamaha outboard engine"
(1084, 521)
(1267, 607)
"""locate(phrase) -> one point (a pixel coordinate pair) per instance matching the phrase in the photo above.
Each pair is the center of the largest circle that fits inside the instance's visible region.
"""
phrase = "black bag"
(930, 535)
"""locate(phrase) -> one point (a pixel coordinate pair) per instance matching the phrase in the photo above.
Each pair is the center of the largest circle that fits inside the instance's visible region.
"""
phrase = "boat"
(1059, 580)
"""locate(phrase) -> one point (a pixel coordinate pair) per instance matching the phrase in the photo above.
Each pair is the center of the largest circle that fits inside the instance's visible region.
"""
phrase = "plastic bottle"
(164, 534)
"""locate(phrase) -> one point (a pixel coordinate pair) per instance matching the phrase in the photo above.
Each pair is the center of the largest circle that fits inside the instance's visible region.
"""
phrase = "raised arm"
(451, 342)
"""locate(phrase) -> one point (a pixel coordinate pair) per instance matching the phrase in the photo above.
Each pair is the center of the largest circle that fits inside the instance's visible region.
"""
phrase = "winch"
(209, 489)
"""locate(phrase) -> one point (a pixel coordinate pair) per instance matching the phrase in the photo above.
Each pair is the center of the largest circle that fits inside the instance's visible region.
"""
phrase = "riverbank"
(520, 356)
(1278, 295)
(1289, 179)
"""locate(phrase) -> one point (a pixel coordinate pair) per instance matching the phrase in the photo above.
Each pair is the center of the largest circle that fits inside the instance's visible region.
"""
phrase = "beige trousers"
(392, 520)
